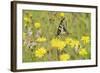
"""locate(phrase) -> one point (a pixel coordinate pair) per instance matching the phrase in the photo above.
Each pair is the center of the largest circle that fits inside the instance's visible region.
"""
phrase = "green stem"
(49, 55)
(58, 54)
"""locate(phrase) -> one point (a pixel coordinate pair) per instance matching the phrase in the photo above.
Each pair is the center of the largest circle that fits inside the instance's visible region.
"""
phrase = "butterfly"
(62, 28)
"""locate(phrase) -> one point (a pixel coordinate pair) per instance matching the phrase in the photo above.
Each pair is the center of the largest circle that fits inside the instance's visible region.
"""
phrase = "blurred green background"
(78, 25)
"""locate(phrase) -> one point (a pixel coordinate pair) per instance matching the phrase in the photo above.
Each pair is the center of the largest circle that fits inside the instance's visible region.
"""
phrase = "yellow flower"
(37, 25)
(26, 19)
(76, 43)
(40, 52)
(68, 41)
(62, 14)
(41, 39)
(83, 52)
(58, 44)
(85, 39)
(64, 57)
(72, 42)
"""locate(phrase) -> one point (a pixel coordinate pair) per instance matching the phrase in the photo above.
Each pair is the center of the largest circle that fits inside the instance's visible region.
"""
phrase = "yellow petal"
(62, 14)
(64, 57)
(40, 52)
(37, 25)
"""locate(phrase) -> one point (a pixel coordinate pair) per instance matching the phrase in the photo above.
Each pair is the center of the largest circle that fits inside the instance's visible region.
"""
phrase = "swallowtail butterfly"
(62, 28)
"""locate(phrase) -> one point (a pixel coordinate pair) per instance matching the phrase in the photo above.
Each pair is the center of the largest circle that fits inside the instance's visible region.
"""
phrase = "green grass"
(78, 25)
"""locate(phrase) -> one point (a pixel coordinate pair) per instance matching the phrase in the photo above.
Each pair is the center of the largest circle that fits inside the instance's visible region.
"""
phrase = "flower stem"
(58, 53)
